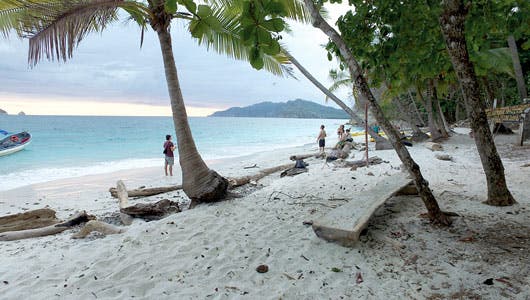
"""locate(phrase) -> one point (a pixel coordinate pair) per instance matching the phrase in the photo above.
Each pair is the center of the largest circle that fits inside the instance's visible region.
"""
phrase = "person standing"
(169, 160)
(321, 139)
(340, 131)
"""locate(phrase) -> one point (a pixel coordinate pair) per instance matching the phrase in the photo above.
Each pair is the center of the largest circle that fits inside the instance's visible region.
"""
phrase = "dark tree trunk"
(438, 113)
(435, 133)
(519, 77)
(198, 182)
(452, 24)
(434, 212)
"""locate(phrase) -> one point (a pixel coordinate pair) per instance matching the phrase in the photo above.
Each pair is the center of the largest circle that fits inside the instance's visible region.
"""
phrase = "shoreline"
(118, 167)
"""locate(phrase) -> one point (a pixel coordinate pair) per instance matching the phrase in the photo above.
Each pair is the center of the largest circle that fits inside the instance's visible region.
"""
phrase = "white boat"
(14, 143)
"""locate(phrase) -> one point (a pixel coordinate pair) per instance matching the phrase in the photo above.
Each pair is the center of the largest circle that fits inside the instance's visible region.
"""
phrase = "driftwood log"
(28, 220)
(146, 192)
(151, 211)
(239, 181)
(148, 211)
(304, 156)
(123, 201)
(98, 226)
(77, 219)
(374, 160)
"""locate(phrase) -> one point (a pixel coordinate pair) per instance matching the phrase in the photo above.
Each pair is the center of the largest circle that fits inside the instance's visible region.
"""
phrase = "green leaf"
(213, 23)
(256, 59)
(190, 5)
(204, 11)
(171, 6)
(272, 49)
(276, 25)
(336, 270)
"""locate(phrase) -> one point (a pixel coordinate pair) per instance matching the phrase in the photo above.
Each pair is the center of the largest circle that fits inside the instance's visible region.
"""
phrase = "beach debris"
(289, 276)
(147, 211)
(444, 157)
(358, 278)
(75, 220)
(370, 174)
(525, 165)
(146, 192)
(307, 223)
(374, 160)
(433, 146)
(262, 269)
(488, 281)
(239, 181)
(304, 156)
(302, 256)
(251, 167)
(28, 220)
(336, 270)
(97, 226)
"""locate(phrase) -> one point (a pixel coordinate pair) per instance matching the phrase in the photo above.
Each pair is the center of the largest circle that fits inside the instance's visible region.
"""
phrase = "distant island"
(3, 112)
(298, 108)
(21, 113)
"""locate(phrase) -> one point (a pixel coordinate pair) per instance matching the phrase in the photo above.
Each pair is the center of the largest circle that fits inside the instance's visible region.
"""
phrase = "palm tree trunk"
(379, 139)
(452, 22)
(434, 212)
(521, 86)
(198, 182)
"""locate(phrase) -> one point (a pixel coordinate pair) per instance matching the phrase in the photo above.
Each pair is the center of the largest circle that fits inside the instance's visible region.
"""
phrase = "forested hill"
(3, 112)
(291, 109)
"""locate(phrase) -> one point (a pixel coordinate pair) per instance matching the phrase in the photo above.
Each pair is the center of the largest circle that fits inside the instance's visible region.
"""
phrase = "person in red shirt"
(169, 147)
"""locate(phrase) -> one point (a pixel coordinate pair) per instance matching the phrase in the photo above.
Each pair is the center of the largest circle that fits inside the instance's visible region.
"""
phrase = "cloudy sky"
(111, 75)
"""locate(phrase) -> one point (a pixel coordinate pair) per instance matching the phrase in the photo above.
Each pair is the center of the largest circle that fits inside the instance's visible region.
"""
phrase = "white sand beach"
(212, 251)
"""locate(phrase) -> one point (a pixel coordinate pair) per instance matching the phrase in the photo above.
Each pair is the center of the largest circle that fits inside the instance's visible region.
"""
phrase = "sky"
(110, 74)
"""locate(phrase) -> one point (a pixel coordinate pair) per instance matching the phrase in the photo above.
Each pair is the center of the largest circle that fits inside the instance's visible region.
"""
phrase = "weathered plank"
(344, 224)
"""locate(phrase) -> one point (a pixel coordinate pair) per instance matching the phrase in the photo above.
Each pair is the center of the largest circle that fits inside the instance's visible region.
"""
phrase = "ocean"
(71, 146)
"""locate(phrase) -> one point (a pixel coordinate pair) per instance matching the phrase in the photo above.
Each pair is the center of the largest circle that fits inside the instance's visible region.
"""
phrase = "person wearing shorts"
(321, 139)
(169, 159)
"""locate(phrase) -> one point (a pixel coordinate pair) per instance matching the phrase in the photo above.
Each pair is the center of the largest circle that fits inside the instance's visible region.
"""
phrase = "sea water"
(71, 146)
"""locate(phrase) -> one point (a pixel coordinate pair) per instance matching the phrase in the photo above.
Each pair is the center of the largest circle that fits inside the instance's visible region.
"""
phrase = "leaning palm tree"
(55, 27)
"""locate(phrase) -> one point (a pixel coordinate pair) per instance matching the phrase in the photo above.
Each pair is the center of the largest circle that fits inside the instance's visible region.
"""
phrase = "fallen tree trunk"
(28, 220)
(235, 182)
(151, 211)
(146, 192)
(303, 156)
(77, 219)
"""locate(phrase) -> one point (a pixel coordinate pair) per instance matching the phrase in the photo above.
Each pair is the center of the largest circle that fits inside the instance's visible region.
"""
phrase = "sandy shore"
(212, 251)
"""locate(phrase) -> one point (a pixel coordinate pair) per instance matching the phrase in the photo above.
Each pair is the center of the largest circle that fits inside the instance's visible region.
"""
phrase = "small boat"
(14, 142)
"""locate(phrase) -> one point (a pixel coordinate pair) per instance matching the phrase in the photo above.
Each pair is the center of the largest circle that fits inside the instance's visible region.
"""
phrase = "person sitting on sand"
(321, 139)
(169, 159)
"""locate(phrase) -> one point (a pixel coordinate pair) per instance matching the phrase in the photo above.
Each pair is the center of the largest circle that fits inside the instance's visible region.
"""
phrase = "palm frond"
(228, 42)
(56, 27)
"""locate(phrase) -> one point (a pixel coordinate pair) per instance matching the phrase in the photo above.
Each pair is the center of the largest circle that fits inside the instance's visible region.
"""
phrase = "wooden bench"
(344, 224)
